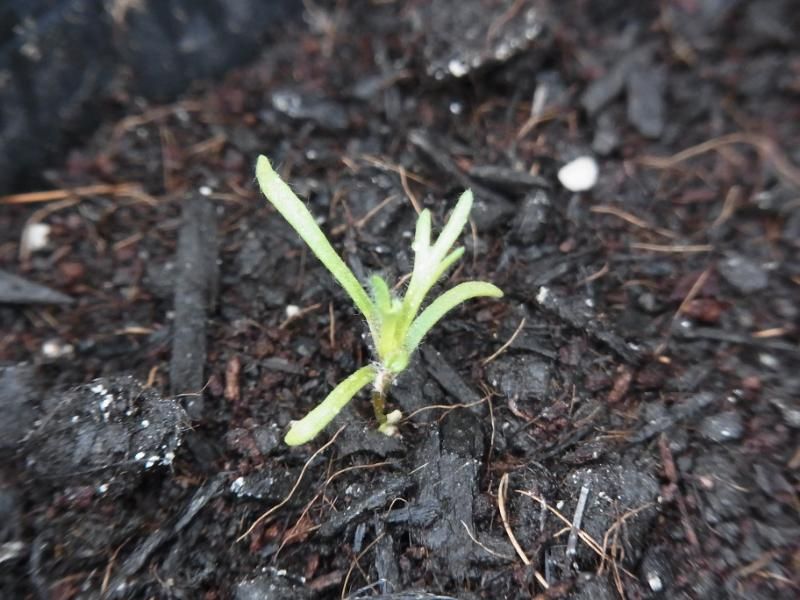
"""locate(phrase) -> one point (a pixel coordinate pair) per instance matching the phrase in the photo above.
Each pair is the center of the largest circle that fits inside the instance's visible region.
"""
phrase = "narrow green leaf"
(422, 235)
(448, 261)
(455, 224)
(427, 258)
(308, 427)
(298, 216)
(444, 303)
(380, 294)
(427, 269)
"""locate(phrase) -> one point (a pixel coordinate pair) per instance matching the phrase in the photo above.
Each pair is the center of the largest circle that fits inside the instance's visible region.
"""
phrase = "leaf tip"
(467, 198)
(263, 167)
(295, 437)
(495, 292)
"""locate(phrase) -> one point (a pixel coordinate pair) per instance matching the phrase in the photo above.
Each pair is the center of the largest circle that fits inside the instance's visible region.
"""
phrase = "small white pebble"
(139, 456)
(56, 349)
(205, 190)
(237, 485)
(105, 403)
(579, 175)
(35, 237)
(544, 292)
(654, 581)
(292, 311)
(145, 424)
(102, 488)
(768, 360)
(457, 68)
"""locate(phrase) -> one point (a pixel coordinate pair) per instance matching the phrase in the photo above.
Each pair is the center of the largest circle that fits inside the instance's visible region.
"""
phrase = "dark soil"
(650, 394)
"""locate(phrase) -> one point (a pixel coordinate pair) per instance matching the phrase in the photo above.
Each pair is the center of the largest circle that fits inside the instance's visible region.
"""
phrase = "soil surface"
(623, 423)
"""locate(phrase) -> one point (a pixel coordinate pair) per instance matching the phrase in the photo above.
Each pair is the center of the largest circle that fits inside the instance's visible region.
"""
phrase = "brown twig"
(491, 421)
(772, 332)
(595, 276)
(446, 407)
(404, 177)
(582, 535)
(729, 206)
(502, 20)
(293, 531)
(339, 229)
(212, 144)
(484, 546)
(671, 473)
(117, 189)
(606, 209)
(354, 562)
(301, 313)
(407, 189)
(502, 490)
(614, 529)
(676, 249)
(154, 114)
(288, 497)
(766, 147)
(502, 348)
(697, 286)
(110, 566)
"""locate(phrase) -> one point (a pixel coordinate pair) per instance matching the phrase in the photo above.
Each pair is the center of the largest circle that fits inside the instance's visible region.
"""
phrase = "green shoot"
(395, 324)
(309, 426)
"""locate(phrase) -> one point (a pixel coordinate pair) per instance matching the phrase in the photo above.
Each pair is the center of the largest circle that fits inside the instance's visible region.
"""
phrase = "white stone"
(35, 237)
(237, 485)
(56, 349)
(579, 175)
(654, 581)
(457, 68)
(542, 295)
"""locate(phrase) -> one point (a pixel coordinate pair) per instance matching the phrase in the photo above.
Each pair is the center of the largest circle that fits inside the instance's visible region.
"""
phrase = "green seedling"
(396, 324)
